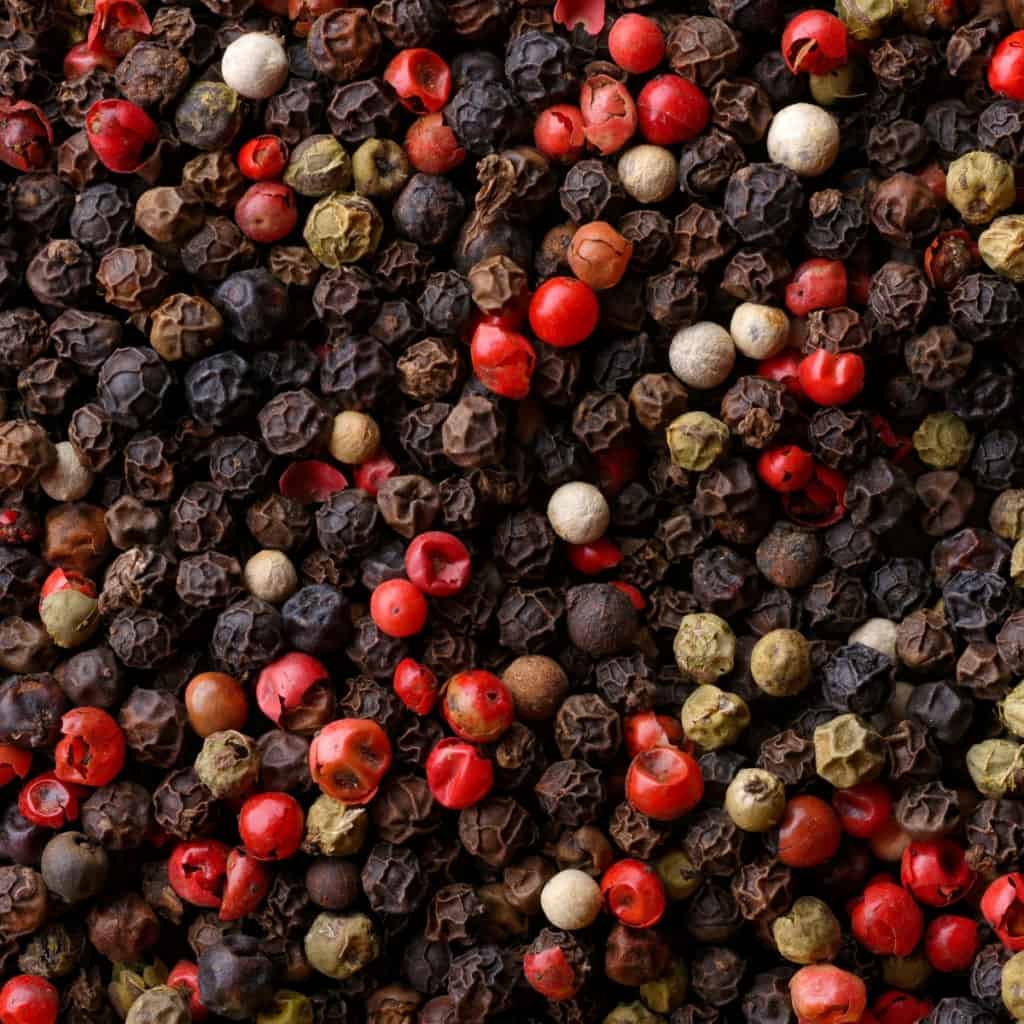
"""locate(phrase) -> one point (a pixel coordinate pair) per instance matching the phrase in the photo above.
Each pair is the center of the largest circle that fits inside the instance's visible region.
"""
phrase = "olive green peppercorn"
(864, 18)
(1011, 986)
(980, 185)
(780, 663)
(696, 441)
(341, 945)
(380, 169)
(633, 1013)
(809, 933)
(755, 799)
(70, 617)
(334, 829)
(287, 1008)
(996, 767)
(319, 165)
(667, 993)
(343, 227)
(848, 751)
(943, 441)
(678, 875)
(129, 981)
(704, 647)
(159, 1005)
(713, 718)
(228, 765)
(910, 973)
(1001, 246)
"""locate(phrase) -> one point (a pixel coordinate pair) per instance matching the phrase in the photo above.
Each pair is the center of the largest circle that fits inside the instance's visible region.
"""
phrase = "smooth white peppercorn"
(255, 65)
(805, 138)
(270, 576)
(702, 355)
(578, 513)
(759, 331)
(571, 900)
(355, 437)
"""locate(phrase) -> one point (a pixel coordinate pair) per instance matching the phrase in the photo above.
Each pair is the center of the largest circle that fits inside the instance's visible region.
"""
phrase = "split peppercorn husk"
(511, 512)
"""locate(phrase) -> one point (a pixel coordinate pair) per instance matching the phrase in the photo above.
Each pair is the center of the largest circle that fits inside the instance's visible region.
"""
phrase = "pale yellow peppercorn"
(714, 718)
(943, 441)
(980, 185)
(1001, 246)
(355, 437)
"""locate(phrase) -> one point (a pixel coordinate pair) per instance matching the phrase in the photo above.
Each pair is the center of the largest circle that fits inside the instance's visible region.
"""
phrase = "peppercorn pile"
(511, 512)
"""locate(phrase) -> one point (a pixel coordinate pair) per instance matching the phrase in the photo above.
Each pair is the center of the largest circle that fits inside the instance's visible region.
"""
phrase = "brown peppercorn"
(344, 44)
(123, 929)
(76, 538)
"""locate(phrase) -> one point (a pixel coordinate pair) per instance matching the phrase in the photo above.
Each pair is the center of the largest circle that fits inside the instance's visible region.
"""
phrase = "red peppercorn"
(595, 557)
(550, 973)
(885, 920)
(823, 994)
(458, 774)
(116, 26)
(896, 1007)
(616, 467)
(197, 870)
(348, 758)
(398, 608)
(564, 312)
(784, 368)
(786, 468)
(28, 999)
(664, 783)
(311, 481)
(816, 284)
(13, 762)
(80, 60)
(672, 110)
(246, 884)
(951, 942)
(1002, 906)
(421, 79)
(371, 474)
(815, 42)
(184, 977)
(48, 801)
(809, 832)
(634, 893)
(636, 599)
(588, 13)
(936, 871)
(559, 132)
(92, 749)
(503, 360)
(263, 158)
(646, 730)
(609, 114)
(636, 43)
(416, 686)
(271, 825)
(61, 579)
(830, 379)
(267, 212)
(438, 564)
(119, 133)
(25, 135)
(477, 706)
(432, 147)
(863, 809)
(822, 502)
(284, 683)
(1006, 68)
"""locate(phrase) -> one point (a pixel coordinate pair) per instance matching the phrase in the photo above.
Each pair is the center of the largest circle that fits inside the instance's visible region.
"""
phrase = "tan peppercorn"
(538, 686)
(848, 751)
(184, 327)
(713, 718)
(25, 451)
(878, 634)
(809, 933)
(334, 829)
(1011, 986)
(1001, 246)
(355, 437)
(996, 767)
(67, 478)
(170, 215)
(1017, 563)
(755, 799)
(1006, 516)
(696, 440)
(980, 185)
(780, 663)
(341, 945)
(270, 576)
(578, 513)
(704, 647)
(702, 355)
(759, 331)
(1011, 710)
(648, 173)
(571, 900)
(943, 441)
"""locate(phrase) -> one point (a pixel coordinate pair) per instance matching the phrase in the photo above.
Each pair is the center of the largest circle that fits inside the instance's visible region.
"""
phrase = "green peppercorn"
(287, 1008)
(634, 1013)
(341, 945)
(129, 981)
(159, 1005)
(809, 933)
(342, 228)
(848, 751)
(780, 663)
(667, 993)
(704, 647)
(228, 765)
(980, 185)
(70, 617)
(755, 799)
(696, 441)
(1011, 986)
(380, 168)
(910, 973)
(713, 718)
(319, 165)
(678, 875)
(1001, 246)
(334, 829)
(864, 19)
(996, 767)
(943, 441)
(840, 84)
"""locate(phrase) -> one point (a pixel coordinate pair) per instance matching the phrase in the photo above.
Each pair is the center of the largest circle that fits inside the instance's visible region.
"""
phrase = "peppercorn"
(714, 718)
(755, 800)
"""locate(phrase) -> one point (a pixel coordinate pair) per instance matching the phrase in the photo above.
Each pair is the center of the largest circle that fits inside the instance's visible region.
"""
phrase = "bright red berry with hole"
(184, 977)
(559, 132)
(634, 893)
(398, 608)
(267, 212)
(936, 871)
(246, 884)
(503, 359)
(896, 1007)
(1006, 68)
(885, 919)
(824, 994)
(1002, 906)
(92, 749)
(609, 113)
(815, 42)
(271, 825)
(809, 832)
(596, 557)
(421, 79)
(671, 110)
(477, 706)
(951, 942)
(829, 378)
(564, 312)
(14, 762)
(816, 284)
(863, 809)
(197, 871)
(432, 147)
(786, 468)
(284, 685)
(458, 774)
(120, 134)
(28, 999)
(348, 758)
(416, 686)
(49, 802)
(646, 730)
(636, 43)
(438, 564)
(664, 783)
(263, 158)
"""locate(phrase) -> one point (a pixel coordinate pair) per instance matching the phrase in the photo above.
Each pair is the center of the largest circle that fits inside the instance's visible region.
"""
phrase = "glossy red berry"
(784, 368)
(438, 564)
(116, 26)
(14, 763)
(246, 884)
(25, 135)
(815, 42)
(398, 608)
(831, 379)
(80, 60)
(477, 706)
(197, 871)
(609, 113)
(416, 686)
(120, 134)
(822, 502)
(863, 809)
(28, 999)
(634, 893)
(311, 481)
(664, 783)
(421, 79)
(636, 43)
(646, 730)
(596, 557)
(348, 758)
(432, 147)
(271, 825)
(1002, 906)
(824, 994)
(458, 774)
(816, 284)
(503, 359)
(267, 212)
(371, 474)
(285, 684)
(636, 598)
(91, 750)
(549, 972)
(49, 802)
(559, 132)
(184, 977)
(786, 468)
(672, 110)
(896, 1007)
(66, 579)
(885, 919)
(809, 832)
(951, 942)
(936, 871)
(263, 158)
(564, 312)
(1006, 68)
